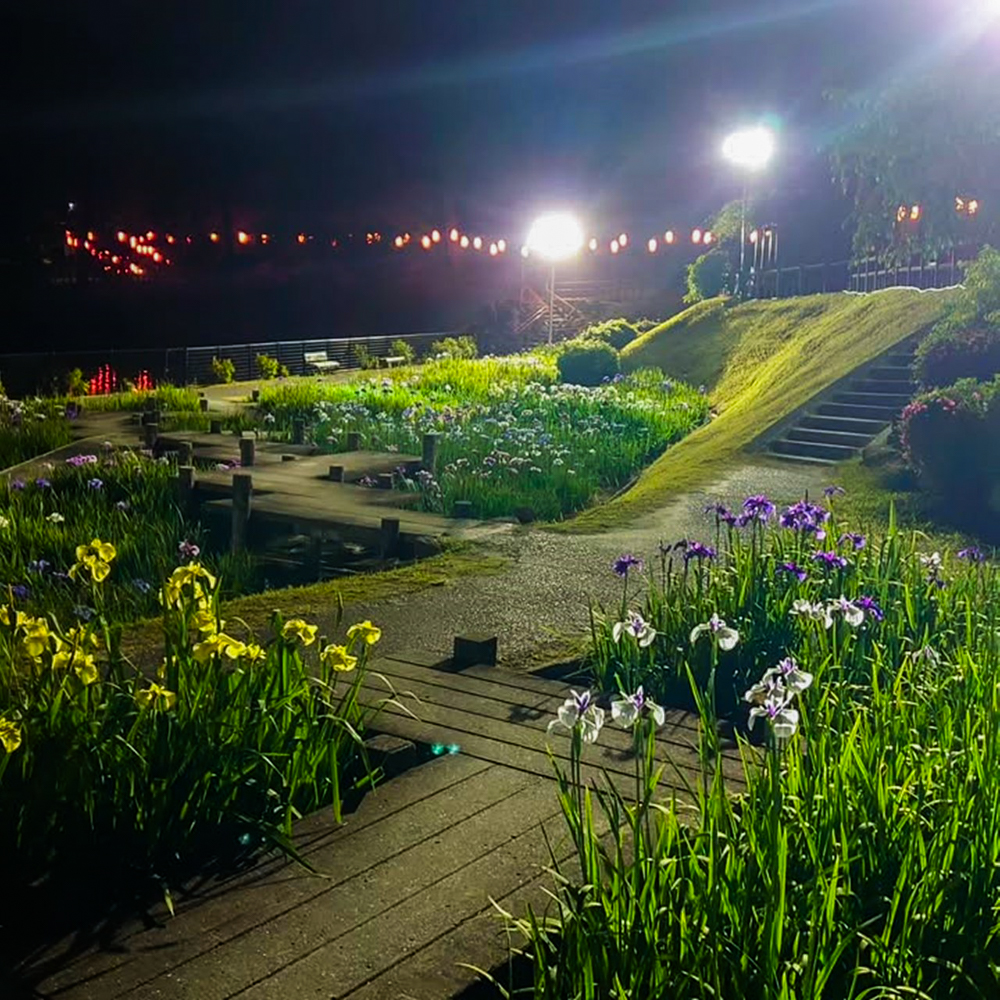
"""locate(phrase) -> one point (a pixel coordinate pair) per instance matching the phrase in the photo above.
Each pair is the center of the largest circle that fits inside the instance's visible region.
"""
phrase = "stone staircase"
(836, 429)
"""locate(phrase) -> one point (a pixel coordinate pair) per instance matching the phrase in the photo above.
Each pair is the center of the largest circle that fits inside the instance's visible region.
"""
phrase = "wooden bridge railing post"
(242, 493)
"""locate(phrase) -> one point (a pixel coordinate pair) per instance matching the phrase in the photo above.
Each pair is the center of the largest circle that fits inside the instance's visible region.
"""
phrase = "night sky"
(484, 110)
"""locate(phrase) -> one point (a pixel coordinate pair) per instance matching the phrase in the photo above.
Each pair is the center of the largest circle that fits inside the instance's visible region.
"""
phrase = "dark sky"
(482, 109)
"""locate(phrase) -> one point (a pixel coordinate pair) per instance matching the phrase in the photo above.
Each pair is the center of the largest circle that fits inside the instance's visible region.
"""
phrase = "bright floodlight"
(555, 236)
(750, 148)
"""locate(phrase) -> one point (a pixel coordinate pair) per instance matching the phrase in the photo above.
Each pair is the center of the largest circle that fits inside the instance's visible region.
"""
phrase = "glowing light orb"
(652, 244)
(555, 236)
(696, 236)
(750, 148)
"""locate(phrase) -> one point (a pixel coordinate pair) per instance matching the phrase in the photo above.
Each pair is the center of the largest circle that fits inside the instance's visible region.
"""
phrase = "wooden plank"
(348, 915)
(420, 658)
(418, 804)
(346, 962)
(534, 713)
(503, 735)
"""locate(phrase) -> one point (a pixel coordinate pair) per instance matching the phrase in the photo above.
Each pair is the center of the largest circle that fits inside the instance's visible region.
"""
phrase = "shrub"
(454, 347)
(947, 355)
(364, 357)
(269, 367)
(404, 349)
(707, 277)
(224, 369)
(949, 438)
(76, 384)
(618, 333)
(584, 362)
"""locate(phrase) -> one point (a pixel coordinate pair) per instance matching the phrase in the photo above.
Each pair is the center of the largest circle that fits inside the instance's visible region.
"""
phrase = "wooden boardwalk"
(404, 894)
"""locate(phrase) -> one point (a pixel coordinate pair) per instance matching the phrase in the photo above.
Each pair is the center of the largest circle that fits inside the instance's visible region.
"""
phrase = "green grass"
(167, 397)
(31, 428)
(761, 362)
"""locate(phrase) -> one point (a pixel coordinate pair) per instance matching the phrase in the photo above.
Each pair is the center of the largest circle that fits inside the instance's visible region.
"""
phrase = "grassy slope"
(761, 362)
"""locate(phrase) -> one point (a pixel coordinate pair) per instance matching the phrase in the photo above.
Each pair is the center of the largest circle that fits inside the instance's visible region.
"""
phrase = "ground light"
(751, 150)
(555, 236)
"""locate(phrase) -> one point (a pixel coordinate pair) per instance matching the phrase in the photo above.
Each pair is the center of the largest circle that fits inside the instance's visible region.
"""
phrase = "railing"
(29, 372)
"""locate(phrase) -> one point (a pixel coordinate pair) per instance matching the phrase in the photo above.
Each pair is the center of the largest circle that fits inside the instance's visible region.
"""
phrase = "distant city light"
(973, 206)
(242, 238)
(696, 236)
(651, 245)
(214, 237)
(592, 244)
(555, 236)
(901, 213)
(122, 237)
(170, 239)
(151, 235)
(750, 148)
(302, 238)
(264, 238)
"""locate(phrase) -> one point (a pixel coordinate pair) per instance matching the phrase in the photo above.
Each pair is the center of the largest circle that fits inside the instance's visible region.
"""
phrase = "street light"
(554, 237)
(750, 149)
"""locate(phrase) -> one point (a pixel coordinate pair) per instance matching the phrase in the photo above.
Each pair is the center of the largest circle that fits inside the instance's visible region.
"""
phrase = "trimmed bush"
(618, 333)
(404, 349)
(948, 355)
(269, 367)
(585, 362)
(224, 369)
(454, 348)
(707, 277)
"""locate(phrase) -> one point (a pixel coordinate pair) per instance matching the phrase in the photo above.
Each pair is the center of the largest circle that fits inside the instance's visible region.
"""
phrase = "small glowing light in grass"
(464, 242)
(477, 243)
(652, 244)
(696, 236)
(502, 246)
(668, 236)
(453, 236)
(614, 246)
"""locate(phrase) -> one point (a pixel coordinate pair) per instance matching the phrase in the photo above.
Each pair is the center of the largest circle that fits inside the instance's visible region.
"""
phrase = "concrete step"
(813, 449)
(801, 458)
(849, 438)
(895, 373)
(893, 401)
(850, 424)
(904, 387)
(885, 414)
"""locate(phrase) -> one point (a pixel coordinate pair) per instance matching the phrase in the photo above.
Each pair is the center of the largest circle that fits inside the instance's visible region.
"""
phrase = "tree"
(708, 276)
(923, 144)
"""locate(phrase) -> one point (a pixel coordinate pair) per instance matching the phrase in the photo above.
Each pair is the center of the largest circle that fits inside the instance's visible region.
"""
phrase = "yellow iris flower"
(254, 653)
(156, 696)
(16, 619)
(338, 658)
(36, 637)
(190, 575)
(368, 632)
(218, 645)
(296, 628)
(10, 735)
(81, 663)
(204, 621)
(95, 558)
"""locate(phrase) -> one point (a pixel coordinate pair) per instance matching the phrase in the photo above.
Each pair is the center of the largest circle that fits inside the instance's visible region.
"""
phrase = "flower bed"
(31, 428)
(861, 859)
(510, 437)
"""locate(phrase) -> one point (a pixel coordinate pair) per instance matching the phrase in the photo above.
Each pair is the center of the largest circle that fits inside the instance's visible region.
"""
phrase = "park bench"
(319, 361)
(394, 360)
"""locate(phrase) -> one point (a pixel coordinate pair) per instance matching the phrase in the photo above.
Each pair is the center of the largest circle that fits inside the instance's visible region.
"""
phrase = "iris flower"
(156, 696)
(579, 712)
(296, 628)
(338, 658)
(718, 630)
(775, 708)
(10, 735)
(629, 710)
(637, 627)
(368, 632)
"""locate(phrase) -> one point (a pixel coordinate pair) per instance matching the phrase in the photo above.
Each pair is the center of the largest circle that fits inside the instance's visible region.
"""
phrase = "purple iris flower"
(42, 483)
(696, 550)
(626, 562)
(95, 484)
(858, 541)
(188, 550)
(806, 517)
(38, 565)
(830, 560)
(17, 484)
(793, 569)
(21, 590)
(143, 586)
(973, 554)
(834, 491)
(758, 507)
(870, 607)
(722, 513)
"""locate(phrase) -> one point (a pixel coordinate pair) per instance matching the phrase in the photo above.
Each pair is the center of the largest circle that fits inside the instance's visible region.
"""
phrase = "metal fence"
(29, 372)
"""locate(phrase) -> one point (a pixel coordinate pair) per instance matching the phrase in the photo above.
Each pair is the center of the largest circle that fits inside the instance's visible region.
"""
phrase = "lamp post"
(554, 237)
(750, 149)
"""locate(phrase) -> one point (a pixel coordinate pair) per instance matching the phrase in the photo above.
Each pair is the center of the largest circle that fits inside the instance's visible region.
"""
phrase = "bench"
(394, 360)
(319, 361)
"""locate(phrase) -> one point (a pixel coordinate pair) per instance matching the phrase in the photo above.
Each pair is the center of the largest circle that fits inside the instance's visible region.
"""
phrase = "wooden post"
(152, 430)
(185, 488)
(463, 508)
(203, 404)
(298, 431)
(390, 537)
(353, 441)
(386, 480)
(215, 427)
(255, 395)
(185, 453)
(428, 457)
(247, 448)
(242, 492)
(336, 473)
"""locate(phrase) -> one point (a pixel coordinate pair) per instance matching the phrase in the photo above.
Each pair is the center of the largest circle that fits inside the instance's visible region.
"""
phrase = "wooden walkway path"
(406, 883)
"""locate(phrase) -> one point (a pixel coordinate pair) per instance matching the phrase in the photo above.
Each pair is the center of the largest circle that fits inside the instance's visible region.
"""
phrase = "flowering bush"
(949, 437)
(151, 774)
(949, 355)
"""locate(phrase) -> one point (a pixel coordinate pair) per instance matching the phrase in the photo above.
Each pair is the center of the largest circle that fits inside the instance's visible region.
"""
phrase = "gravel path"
(544, 595)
